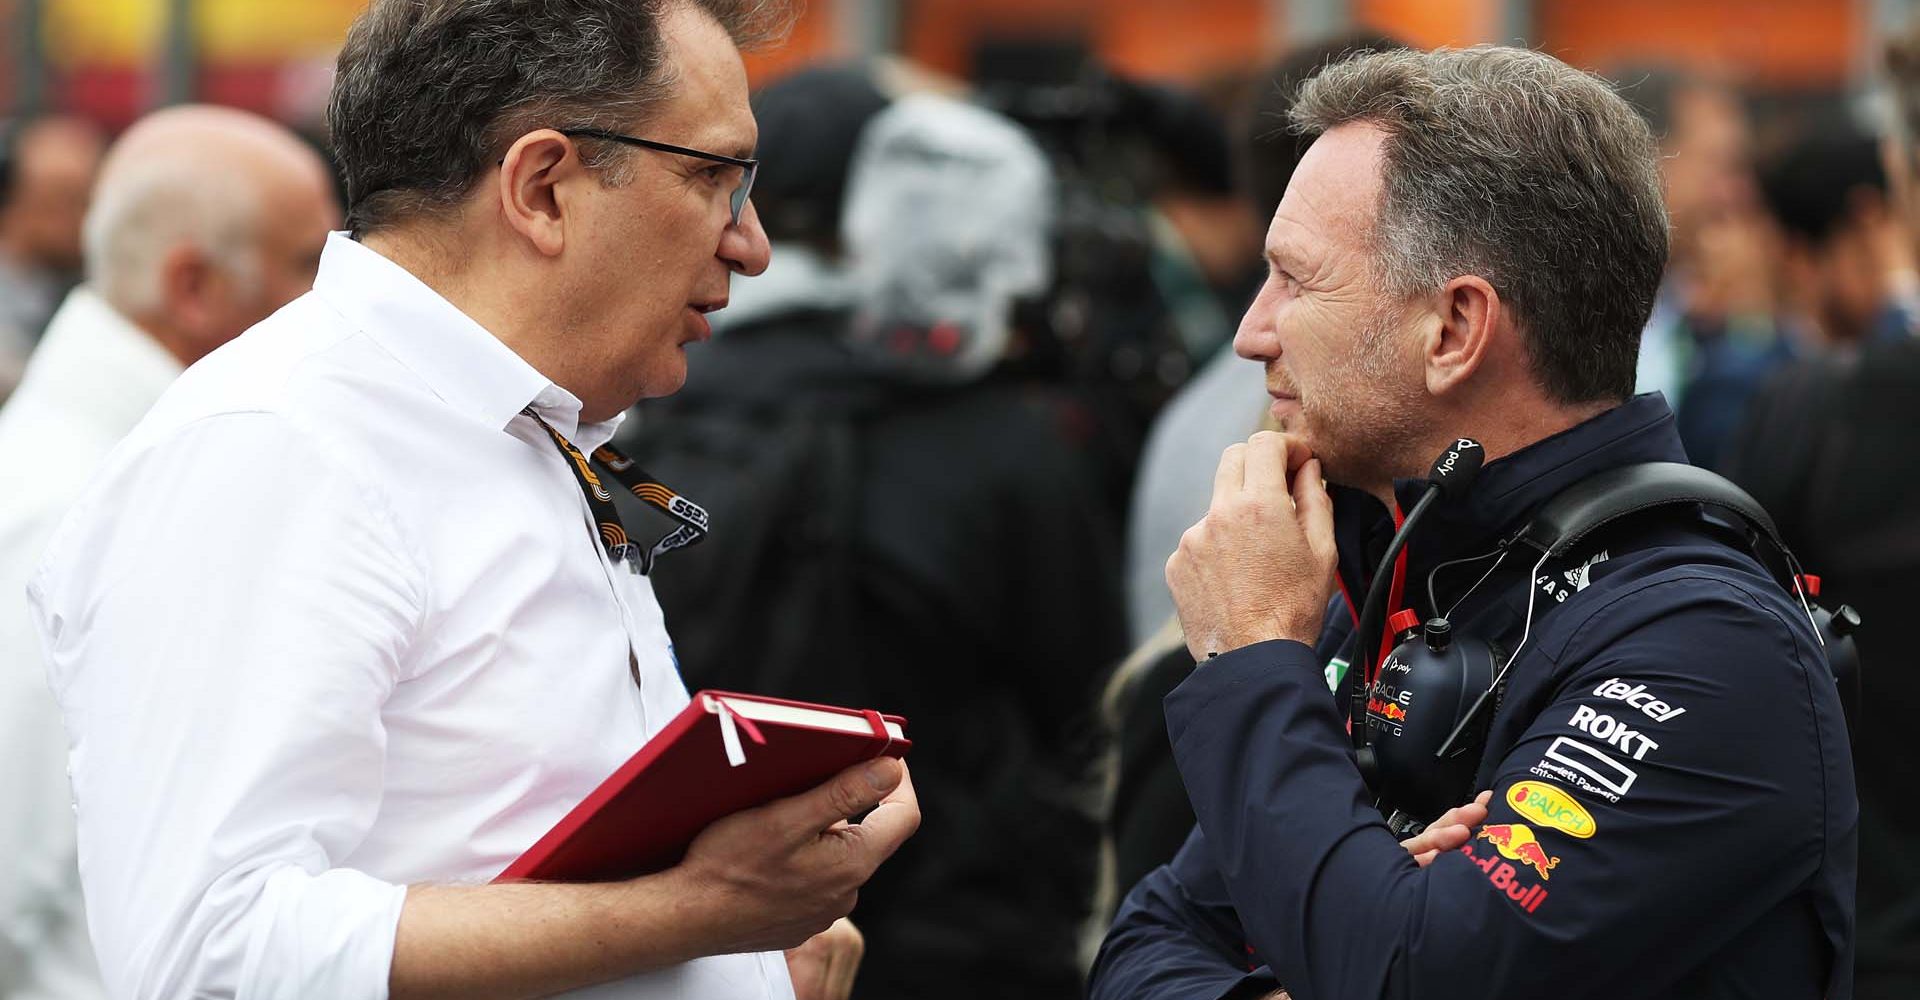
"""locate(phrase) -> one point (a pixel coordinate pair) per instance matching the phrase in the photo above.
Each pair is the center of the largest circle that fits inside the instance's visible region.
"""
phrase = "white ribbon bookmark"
(729, 732)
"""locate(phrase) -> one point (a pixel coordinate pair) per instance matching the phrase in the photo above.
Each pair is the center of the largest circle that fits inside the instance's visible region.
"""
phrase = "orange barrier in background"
(272, 56)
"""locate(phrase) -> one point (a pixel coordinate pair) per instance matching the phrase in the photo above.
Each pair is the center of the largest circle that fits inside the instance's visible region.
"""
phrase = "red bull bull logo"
(1516, 842)
(1391, 711)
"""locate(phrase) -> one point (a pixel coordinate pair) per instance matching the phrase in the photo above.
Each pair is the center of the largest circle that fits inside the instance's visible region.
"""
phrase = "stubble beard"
(1361, 422)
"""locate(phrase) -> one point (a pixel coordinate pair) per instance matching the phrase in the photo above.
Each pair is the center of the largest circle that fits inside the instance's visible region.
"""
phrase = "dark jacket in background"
(935, 552)
(1150, 817)
(1831, 451)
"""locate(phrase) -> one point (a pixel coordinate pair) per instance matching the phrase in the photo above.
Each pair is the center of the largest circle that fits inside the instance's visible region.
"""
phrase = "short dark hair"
(1812, 188)
(1511, 165)
(429, 93)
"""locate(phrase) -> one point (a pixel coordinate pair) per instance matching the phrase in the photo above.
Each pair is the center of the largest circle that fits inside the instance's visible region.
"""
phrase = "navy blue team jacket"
(1673, 811)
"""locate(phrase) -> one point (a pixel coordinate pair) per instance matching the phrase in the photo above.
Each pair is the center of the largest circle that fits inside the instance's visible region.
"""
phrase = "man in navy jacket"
(1470, 249)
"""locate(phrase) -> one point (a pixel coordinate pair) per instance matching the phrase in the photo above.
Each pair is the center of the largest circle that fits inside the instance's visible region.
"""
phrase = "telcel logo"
(1549, 806)
(1639, 697)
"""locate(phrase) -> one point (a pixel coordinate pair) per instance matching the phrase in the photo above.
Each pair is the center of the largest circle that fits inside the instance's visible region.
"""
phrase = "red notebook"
(724, 753)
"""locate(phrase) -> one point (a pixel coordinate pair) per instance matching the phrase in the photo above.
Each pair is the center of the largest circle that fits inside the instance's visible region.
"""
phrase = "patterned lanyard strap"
(691, 516)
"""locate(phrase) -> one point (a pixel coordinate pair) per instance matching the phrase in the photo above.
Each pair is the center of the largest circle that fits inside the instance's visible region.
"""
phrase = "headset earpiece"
(1426, 685)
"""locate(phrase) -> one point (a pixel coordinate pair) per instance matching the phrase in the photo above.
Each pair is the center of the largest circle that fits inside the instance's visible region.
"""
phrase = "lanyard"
(691, 516)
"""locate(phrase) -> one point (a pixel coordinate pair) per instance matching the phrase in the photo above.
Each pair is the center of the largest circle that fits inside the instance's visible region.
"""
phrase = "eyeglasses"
(748, 168)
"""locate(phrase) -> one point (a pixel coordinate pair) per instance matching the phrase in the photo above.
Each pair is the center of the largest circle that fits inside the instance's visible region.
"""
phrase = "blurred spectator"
(205, 221)
(1713, 336)
(1205, 239)
(809, 122)
(1829, 451)
(1848, 265)
(1176, 468)
(906, 528)
(1150, 816)
(47, 167)
(1152, 250)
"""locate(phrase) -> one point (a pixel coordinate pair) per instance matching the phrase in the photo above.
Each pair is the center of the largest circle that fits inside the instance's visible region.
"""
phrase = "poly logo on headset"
(1460, 447)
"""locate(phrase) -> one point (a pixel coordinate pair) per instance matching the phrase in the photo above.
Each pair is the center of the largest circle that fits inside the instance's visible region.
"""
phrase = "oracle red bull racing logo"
(1516, 842)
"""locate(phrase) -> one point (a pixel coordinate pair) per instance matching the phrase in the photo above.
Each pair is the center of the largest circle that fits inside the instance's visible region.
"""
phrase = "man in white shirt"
(333, 631)
(47, 167)
(205, 221)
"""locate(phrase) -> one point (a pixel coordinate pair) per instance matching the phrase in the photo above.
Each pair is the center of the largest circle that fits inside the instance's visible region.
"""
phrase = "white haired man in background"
(204, 221)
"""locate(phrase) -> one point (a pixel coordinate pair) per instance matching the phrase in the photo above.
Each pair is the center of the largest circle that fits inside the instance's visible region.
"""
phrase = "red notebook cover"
(723, 753)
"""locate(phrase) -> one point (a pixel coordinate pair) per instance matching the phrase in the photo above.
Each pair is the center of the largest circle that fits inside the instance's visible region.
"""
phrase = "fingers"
(850, 793)
(844, 963)
(1231, 474)
(1314, 508)
(1452, 829)
(891, 822)
(1297, 454)
(824, 966)
(1266, 462)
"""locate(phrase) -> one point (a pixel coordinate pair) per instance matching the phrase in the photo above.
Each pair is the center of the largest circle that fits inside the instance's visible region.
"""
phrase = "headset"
(1419, 720)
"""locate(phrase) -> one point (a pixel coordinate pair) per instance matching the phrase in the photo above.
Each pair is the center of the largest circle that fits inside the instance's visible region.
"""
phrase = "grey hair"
(1508, 164)
(428, 94)
(148, 207)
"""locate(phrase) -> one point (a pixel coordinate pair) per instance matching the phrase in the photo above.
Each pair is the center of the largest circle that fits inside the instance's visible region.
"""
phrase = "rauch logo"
(1549, 806)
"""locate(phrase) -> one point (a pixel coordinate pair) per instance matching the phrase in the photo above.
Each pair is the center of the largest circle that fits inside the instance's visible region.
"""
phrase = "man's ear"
(1470, 313)
(189, 281)
(531, 200)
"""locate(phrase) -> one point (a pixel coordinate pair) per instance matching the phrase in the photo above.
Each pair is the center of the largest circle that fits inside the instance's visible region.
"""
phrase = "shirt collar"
(459, 360)
(88, 343)
(1508, 490)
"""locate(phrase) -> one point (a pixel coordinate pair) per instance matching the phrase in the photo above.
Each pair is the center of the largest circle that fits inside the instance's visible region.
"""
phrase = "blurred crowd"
(970, 408)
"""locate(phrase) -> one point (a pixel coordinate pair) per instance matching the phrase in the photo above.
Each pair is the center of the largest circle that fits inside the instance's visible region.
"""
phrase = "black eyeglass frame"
(748, 168)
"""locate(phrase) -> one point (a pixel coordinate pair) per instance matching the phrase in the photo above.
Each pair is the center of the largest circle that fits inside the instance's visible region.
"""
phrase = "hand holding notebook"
(723, 754)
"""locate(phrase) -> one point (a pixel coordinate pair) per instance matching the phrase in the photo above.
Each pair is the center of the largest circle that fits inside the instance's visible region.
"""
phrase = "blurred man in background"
(1847, 262)
(1713, 336)
(205, 221)
(1829, 451)
(47, 166)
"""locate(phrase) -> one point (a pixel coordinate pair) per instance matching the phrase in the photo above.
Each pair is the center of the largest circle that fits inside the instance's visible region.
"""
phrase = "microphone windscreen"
(1454, 471)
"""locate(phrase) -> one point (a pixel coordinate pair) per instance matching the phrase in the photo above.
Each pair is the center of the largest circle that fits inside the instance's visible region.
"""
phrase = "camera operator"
(1471, 248)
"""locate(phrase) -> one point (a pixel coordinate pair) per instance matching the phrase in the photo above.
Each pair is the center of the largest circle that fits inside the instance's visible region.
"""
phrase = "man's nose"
(744, 246)
(1255, 339)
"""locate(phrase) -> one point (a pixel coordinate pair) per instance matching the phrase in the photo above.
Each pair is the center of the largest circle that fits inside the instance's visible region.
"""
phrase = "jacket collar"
(1507, 492)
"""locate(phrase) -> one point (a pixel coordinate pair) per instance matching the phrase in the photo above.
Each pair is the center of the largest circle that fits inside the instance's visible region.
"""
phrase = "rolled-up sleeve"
(224, 617)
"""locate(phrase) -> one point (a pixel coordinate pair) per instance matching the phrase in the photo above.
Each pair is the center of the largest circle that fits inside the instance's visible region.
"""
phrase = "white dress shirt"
(92, 378)
(332, 621)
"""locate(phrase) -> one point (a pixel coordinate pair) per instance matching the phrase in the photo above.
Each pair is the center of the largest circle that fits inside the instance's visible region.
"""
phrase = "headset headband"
(1605, 497)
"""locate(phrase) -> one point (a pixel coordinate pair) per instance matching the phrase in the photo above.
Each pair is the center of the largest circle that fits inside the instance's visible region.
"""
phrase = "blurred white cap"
(947, 222)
